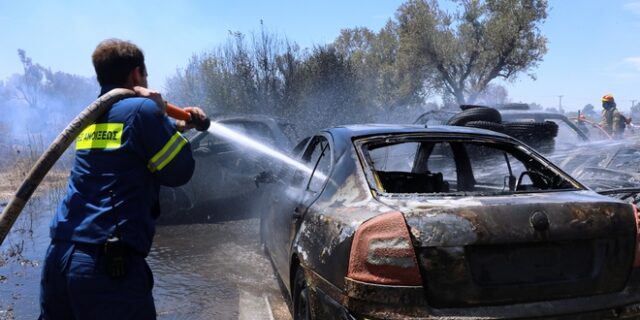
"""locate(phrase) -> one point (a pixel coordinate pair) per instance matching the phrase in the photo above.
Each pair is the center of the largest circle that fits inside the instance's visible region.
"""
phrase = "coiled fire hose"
(88, 116)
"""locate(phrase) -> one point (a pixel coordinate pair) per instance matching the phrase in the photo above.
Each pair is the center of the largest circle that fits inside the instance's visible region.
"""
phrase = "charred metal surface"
(521, 255)
(476, 251)
(325, 236)
(385, 302)
(401, 295)
(490, 220)
(377, 302)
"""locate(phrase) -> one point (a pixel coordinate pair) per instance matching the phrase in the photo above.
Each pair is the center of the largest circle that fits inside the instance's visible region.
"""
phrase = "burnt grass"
(20, 256)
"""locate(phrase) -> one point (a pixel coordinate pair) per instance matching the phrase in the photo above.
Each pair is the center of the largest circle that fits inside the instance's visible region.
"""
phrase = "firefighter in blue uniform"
(102, 231)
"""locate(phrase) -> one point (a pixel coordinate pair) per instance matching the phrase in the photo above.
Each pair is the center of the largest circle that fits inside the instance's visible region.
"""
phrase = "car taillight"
(636, 259)
(382, 252)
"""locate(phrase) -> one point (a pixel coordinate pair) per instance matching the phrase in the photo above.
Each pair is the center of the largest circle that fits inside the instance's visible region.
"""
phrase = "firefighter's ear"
(138, 77)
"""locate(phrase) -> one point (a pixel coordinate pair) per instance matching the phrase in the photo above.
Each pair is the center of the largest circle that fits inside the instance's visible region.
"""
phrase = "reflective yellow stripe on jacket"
(167, 153)
(100, 136)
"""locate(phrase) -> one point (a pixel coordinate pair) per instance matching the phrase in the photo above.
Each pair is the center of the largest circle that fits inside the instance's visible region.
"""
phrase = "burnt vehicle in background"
(445, 222)
(537, 128)
(222, 186)
(578, 146)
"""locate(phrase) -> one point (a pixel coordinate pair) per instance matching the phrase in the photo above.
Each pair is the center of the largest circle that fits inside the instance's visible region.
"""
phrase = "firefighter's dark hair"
(113, 60)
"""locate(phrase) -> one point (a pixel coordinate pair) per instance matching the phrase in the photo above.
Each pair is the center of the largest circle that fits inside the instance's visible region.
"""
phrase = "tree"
(493, 95)
(331, 93)
(535, 106)
(43, 100)
(32, 82)
(461, 53)
(374, 57)
(243, 75)
(262, 74)
(589, 111)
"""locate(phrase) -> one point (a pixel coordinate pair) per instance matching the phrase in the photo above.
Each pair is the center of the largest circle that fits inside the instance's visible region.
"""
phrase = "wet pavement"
(214, 271)
(202, 271)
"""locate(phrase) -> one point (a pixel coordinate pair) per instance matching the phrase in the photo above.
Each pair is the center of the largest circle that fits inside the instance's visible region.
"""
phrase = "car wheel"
(534, 130)
(471, 106)
(497, 127)
(301, 307)
(475, 114)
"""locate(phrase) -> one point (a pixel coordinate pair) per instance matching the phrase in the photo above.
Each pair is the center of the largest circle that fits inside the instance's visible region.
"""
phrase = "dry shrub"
(20, 159)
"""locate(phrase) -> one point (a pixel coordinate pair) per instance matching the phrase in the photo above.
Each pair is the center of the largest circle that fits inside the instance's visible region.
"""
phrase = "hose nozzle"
(181, 114)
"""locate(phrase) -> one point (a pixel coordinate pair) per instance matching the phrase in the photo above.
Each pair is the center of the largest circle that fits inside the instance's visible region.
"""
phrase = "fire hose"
(593, 124)
(88, 116)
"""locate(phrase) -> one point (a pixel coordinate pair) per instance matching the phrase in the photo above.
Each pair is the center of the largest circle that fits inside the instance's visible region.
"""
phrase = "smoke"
(42, 106)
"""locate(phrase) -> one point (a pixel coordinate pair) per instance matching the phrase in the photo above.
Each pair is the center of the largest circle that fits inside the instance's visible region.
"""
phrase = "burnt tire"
(497, 127)
(532, 130)
(475, 114)
(470, 106)
(300, 298)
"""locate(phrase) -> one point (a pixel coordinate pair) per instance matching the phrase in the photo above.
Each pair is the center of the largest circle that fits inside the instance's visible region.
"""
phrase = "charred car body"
(445, 223)
(222, 186)
(579, 147)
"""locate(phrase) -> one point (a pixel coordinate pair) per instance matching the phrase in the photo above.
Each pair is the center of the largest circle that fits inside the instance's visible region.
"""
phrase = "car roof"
(362, 130)
(545, 114)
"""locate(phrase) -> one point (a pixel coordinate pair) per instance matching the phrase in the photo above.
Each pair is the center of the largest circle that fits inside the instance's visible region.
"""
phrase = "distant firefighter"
(613, 122)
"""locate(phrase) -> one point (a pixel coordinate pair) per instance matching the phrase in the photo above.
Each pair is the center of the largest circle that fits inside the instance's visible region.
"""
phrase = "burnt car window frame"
(326, 152)
(375, 184)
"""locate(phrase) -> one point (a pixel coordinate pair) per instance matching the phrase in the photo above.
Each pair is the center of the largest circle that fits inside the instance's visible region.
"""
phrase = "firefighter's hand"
(153, 95)
(195, 113)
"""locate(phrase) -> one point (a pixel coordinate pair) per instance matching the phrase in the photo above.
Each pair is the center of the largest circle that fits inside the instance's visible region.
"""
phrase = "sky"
(593, 45)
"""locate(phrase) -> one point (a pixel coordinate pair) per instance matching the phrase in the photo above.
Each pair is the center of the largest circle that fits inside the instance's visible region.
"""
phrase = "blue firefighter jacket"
(121, 161)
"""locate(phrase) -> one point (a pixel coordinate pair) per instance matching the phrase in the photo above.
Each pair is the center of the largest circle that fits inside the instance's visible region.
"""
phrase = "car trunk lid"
(520, 248)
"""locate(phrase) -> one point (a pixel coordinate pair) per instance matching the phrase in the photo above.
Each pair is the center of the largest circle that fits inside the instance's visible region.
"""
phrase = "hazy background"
(593, 46)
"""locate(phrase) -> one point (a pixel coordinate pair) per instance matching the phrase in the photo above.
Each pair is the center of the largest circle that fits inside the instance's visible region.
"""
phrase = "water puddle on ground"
(201, 271)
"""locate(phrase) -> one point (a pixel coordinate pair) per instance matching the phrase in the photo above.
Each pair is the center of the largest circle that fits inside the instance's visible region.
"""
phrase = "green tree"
(244, 75)
(374, 57)
(330, 91)
(460, 53)
(262, 74)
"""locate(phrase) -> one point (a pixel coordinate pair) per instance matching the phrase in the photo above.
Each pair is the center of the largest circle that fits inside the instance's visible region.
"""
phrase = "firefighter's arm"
(616, 120)
(166, 151)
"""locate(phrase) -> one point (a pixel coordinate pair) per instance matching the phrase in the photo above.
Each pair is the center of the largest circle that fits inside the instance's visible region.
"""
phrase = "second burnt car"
(222, 187)
(395, 222)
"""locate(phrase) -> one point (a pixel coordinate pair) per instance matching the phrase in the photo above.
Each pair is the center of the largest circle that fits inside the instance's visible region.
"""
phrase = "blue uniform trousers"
(74, 285)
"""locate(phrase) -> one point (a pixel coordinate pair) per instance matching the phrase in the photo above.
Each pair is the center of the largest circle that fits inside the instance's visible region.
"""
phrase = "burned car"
(396, 222)
(222, 186)
(537, 128)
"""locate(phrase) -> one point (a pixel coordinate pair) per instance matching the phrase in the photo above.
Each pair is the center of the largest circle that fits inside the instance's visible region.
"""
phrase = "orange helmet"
(607, 98)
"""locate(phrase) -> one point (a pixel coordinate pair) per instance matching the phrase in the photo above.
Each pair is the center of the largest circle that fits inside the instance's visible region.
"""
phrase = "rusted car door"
(303, 189)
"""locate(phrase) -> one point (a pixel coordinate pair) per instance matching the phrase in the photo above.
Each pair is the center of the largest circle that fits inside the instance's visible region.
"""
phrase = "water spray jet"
(233, 136)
